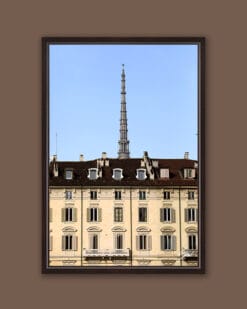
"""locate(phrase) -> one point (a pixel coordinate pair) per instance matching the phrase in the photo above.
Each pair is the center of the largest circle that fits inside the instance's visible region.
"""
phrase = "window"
(141, 174)
(168, 242)
(190, 215)
(143, 242)
(68, 174)
(92, 173)
(118, 195)
(167, 215)
(142, 195)
(118, 214)
(191, 195)
(119, 241)
(68, 195)
(117, 174)
(69, 242)
(167, 195)
(142, 215)
(93, 195)
(94, 214)
(189, 173)
(94, 241)
(69, 214)
(192, 242)
(164, 173)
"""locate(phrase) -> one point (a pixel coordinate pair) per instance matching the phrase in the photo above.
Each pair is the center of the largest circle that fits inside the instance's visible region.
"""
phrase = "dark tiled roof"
(129, 166)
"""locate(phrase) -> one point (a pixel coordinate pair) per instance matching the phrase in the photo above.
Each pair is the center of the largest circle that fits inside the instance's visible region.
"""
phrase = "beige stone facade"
(123, 226)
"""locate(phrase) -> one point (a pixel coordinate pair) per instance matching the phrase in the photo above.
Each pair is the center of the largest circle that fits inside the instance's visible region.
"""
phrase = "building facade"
(123, 211)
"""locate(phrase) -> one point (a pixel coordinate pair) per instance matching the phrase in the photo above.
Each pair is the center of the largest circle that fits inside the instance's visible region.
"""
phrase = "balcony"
(190, 255)
(106, 252)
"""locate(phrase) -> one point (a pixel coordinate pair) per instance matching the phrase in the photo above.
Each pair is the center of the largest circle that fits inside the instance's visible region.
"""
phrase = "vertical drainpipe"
(180, 227)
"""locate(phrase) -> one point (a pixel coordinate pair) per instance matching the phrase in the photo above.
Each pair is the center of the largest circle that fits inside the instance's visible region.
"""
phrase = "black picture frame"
(46, 42)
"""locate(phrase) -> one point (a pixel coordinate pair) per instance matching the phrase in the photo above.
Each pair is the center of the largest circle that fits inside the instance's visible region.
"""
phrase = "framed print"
(123, 155)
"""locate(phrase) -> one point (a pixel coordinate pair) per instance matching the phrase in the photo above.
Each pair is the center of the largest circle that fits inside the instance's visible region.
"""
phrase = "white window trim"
(141, 170)
(93, 170)
(117, 170)
(69, 170)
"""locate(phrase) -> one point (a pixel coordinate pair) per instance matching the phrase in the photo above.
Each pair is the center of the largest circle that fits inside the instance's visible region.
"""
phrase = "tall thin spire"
(123, 143)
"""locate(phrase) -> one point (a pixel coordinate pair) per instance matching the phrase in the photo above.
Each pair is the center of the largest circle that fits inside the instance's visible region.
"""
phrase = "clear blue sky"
(162, 90)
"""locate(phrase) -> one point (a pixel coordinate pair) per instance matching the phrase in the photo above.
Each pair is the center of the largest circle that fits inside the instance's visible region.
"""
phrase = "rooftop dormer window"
(92, 173)
(68, 174)
(117, 174)
(141, 174)
(189, 173)
(164, 173)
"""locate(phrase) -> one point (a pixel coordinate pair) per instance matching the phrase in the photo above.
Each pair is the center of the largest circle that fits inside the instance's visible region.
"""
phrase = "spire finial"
(123, 152)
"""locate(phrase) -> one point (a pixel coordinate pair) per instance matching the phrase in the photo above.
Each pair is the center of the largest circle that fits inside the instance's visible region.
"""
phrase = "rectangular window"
(190, 215)
(118, 214)
(94, 214)
(143, 242)
(68, 195)
(142, 195)
(69, 242)
(94, 241)
(167, 195)
(167, 215)
(118, 195)
(69, 214)
(141, 174)
(93, 195)
(93, 173)
(192, 242)
(68, 174)
(191, 195)
(119, 241)
(142, 215)
(168, 242)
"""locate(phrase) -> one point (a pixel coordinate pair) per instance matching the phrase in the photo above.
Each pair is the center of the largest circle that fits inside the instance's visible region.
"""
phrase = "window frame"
(139, 170)
(118, 214)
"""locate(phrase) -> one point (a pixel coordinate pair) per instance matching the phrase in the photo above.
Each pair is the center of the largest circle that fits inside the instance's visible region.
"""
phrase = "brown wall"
(23, 23)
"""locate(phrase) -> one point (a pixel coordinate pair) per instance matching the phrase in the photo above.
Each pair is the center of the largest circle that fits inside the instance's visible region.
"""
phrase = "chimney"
(81, 157)
(104, 155)
(186, 155)
(54, 158)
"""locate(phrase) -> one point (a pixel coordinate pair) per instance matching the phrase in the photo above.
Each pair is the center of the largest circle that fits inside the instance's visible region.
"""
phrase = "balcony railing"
(106, 252)
(189, 253)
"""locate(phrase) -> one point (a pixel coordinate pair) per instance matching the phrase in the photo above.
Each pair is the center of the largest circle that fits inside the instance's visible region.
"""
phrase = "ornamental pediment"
(94, 229)
(143, 229)
(191, 229)
(118, 229)
(167, 229)
(69, 229)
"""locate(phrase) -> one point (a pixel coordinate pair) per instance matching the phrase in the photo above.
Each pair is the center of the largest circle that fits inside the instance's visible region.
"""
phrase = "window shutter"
(186, 215)
(88, 214)
(162, 243)
(99, 214)
(196, 215)
(161, 214)
(137, 243)
(174, 243)
(74, 243)
(63, 243)
(173, 215)
(149, 242)
(63, 214)
(74, 214)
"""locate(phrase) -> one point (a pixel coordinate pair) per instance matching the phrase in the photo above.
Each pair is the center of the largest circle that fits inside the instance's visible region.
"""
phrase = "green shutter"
(137, 243)
(173, 214)
(63, 214)
(74, 243)
(50, 243)
(149, 242)
(186, 215)
(174, 243)
(88, 214)
(161, 214)
(63, 243)
(162, 243)
(99, 214)
(74, 214)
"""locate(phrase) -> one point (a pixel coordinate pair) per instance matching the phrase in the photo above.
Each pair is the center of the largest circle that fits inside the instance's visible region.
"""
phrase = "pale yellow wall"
(130, 200)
